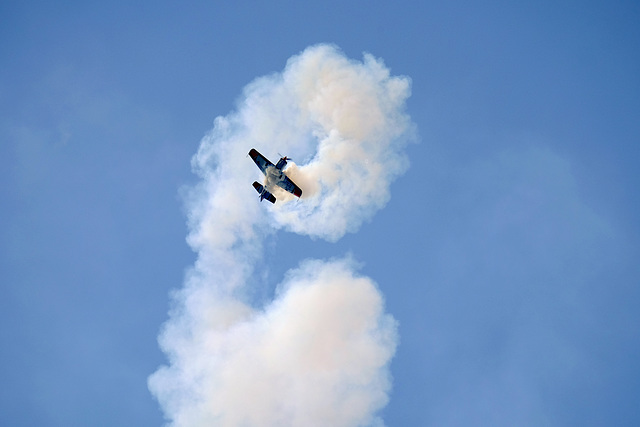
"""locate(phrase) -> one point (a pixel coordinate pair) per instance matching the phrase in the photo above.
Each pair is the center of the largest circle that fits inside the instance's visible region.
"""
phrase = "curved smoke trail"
(319, 353)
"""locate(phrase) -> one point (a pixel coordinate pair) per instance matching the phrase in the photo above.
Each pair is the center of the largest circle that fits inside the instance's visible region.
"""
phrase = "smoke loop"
(319, 353)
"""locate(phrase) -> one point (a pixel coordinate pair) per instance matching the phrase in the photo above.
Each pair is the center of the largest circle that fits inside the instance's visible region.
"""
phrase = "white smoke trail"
(319, 353)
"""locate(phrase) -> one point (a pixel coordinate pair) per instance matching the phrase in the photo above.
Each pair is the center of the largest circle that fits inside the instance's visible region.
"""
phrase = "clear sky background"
(508, 253)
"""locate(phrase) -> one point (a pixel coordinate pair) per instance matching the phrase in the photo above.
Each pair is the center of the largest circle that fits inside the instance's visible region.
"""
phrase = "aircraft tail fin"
(264, 194)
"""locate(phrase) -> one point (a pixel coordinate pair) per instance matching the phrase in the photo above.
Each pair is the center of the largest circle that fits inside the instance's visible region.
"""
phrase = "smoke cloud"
(318, 354)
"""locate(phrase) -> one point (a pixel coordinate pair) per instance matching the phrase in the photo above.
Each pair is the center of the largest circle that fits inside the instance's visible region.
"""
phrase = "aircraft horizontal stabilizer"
(264, 194)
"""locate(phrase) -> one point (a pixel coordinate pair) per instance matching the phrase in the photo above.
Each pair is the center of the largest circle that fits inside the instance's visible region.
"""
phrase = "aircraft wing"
(262, 162)
(289, 186)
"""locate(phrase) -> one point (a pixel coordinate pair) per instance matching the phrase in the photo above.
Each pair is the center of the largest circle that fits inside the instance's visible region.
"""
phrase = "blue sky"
(507, 252)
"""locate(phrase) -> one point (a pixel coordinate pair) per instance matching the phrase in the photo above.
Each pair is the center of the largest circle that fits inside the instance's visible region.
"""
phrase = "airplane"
(274, 174)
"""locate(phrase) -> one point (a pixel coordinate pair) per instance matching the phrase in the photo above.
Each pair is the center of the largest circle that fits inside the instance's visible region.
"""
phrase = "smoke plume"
(318, 354)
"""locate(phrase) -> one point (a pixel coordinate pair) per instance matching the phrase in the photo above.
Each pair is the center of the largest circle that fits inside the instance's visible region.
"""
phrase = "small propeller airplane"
(273, 174)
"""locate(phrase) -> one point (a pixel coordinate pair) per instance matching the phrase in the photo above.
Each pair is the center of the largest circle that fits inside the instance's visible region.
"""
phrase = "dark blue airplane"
(275, 175)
